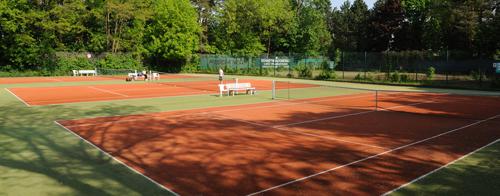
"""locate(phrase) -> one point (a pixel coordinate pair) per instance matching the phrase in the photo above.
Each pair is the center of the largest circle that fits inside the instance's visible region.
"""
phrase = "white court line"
(303, 133)
(53, 79)
(97, 99)
(346, 115)
(107, 91)
(279, 127)
(18, 98)
(373, 156)
(275, 104)
(437, 169)
(117, 160)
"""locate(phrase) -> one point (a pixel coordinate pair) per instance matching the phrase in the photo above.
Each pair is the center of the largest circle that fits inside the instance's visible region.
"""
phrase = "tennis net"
(203, 85)
(428, 102)
(115, 73)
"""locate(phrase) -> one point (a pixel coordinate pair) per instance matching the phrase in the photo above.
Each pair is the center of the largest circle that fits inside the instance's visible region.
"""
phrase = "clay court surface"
(73, 94)
(323, 146)
(21, 80)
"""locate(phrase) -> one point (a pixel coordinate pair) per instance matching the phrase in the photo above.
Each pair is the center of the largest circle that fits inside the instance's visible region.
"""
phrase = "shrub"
(358, 77)
(405, 78)
(119, 61)
(304, 71)
(395, 77)
(430, 73)
(190, 68)
(325, 75)
(477, 75)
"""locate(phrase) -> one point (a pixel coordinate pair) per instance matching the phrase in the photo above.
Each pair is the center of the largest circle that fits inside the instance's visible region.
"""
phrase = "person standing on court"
(221, 74)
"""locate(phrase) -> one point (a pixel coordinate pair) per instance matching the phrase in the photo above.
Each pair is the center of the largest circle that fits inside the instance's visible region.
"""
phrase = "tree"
(124, 24)
(385, 21)
(488, 36)
(24, 41)
(207, 10)
(341, 24)
(247, 27)
(359, 13)
(410, 37)
(172, 35)
(312, 35)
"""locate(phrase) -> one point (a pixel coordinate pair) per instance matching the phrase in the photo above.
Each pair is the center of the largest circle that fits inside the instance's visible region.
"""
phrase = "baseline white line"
(117, 160)
(96, 99)
(18, 98)
(373, 156)
(437, 169)
(107, 91)
(303, 133)
(275, 104)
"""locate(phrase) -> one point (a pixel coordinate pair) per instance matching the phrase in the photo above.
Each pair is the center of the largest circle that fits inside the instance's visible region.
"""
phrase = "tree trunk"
(115, 36)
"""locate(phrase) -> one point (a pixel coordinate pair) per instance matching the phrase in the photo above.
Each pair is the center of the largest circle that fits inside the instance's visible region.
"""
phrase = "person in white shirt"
(221, 74)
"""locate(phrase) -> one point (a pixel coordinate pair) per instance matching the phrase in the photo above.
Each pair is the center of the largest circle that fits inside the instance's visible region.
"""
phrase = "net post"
(288, 90)
(274, 90)
(376, 100)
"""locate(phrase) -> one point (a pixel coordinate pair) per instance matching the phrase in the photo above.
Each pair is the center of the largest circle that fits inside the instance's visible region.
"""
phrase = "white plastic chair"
(222, 88)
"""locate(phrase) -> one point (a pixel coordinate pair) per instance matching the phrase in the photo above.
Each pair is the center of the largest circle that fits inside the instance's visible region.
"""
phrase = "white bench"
(82, 72)
(235, 87)
(154, 76)
(132, 75)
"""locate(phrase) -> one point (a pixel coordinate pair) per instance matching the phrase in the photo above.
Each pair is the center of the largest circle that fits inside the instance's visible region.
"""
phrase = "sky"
(338, 3)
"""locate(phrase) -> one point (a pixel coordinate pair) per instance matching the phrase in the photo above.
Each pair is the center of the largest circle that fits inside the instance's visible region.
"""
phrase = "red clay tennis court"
(74, 94)
(336, 145)
(21, 80)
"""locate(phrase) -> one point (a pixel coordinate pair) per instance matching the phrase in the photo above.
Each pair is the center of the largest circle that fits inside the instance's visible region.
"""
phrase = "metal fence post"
(365, 66)
(273, 94)
(343, 64)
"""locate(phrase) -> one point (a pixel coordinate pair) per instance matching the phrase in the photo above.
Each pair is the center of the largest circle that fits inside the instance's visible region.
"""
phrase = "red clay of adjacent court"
(74, 94)
(301, 147)
(21, 80)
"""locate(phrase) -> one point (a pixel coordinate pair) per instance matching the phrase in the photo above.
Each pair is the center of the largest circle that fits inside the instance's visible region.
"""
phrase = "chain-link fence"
(292, 65)
(447, 68)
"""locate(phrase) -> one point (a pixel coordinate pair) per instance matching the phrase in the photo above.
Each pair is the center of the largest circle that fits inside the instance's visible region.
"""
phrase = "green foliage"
(173, 32)
(395, 77)
(312, 35)
(477, 75)
(325, 75)
(349, 24)
(304, 71)
(247, 27)
(168, 33)
(430, 73)
(386, 20)
(66, 64)
(119, 61)
(405, 78)
(358, 77)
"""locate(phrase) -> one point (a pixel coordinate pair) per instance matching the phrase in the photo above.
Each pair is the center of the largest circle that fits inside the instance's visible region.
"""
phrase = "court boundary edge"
(18, 98)
(437, 169)
(115, 159)
(372, 156)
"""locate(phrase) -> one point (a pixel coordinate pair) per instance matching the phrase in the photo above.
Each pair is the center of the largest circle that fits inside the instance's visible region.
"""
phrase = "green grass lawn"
(37, 157)
(478, 174)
